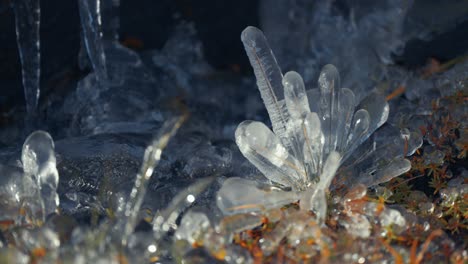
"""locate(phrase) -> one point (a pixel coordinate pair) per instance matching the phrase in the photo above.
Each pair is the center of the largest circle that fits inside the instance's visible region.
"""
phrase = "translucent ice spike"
(269, 78)
(263, 149)
(379, 175)
(313, 147)
(90, 14)
(165, 220)
(359, 129)
(239, 195)
(151, 159)
(329, 169)
(295, 95)
(297, 104)
(329, 84)
(378, 110)
(346, 111)
(27, 19)
(39, 162)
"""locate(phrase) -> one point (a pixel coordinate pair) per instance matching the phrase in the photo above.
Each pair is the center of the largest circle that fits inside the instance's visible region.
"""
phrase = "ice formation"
(27, 18)
(29, 198)
(314, 132)
(30, 195)
(322, 142)
(39, 163)
(90, 13)
(150, 161)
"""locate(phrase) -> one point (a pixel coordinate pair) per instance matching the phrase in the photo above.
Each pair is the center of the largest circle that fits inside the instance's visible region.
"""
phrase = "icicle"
(91, 23)
(27, 20)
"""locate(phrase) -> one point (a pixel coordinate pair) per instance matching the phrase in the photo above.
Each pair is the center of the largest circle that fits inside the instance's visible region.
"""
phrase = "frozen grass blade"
(150, 161)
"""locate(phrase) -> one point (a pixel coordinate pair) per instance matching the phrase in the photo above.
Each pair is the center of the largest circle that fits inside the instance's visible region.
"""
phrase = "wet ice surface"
(109, 120)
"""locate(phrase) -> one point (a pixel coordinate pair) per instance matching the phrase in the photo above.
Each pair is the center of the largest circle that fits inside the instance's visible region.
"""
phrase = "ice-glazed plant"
(314, 132)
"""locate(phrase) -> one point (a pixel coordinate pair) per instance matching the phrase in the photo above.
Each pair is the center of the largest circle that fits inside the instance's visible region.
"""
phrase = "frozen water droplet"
(357, 225)
(165, 220)
(192, 227)
(394, 218)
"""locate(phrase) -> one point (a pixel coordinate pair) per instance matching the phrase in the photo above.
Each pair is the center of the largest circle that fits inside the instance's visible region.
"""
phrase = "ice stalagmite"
(27, 19)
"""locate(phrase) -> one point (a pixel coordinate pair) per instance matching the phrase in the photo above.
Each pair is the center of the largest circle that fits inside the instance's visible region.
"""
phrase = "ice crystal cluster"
(314, 133)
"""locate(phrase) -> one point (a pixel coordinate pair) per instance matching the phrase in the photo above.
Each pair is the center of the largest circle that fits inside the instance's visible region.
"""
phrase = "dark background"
(146, 24)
